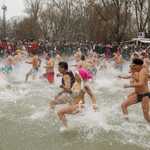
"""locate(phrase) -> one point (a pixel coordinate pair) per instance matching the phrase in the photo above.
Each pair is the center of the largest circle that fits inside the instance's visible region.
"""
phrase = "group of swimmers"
(74, 86)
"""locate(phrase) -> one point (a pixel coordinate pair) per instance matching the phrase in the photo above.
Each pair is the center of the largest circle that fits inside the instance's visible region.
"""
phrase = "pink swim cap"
(84, 74)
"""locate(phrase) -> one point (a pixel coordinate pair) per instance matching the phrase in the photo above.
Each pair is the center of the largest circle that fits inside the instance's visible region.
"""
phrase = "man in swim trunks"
(36, 62)
(94, 61)
(8, 63)
(17, 58)
(67, 80)
(49, 69)
(119, 62)
(77, 56)
(79, 51)
(116, 58)
(141, 90)
(84, 64)
(58, 58)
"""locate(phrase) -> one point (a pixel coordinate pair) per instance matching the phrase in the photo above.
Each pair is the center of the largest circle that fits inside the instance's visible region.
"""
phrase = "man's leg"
(145, 107)
(27, 75)
(130, 101)
(42, 77)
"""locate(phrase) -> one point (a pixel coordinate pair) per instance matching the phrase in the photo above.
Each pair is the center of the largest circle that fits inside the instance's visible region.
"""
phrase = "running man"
(67, 80)
(8, 63)
(141, 90)
(16, 59)
(116, 58)
(77, 56)
(84, 64)
(94, 61)
(119, 62)
(36, 62)
(49, 69)
(58, 58)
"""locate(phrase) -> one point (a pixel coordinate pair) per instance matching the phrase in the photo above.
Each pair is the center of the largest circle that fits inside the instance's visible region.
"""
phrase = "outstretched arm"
(126, 77)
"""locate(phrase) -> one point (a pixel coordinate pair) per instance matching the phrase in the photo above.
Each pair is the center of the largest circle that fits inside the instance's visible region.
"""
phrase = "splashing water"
(23, 107)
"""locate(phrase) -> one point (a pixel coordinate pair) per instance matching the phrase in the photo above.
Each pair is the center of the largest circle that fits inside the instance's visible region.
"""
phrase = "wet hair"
(82, 57)
(8, 52)
(137, 61)
(49, 55)
(63, 65)
(33, 53)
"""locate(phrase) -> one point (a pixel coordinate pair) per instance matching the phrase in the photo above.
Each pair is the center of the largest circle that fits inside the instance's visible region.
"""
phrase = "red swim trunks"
(49, 76)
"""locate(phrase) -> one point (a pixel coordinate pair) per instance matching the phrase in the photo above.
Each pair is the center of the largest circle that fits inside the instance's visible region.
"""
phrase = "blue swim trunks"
(7, 69)
(17, 66)
(70, 95)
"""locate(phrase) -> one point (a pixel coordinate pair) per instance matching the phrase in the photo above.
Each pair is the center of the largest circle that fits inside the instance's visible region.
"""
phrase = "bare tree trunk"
(148, 18)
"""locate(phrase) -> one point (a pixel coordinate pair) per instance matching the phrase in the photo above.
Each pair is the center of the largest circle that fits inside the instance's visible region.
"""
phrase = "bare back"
(35, 60)
(9, 61)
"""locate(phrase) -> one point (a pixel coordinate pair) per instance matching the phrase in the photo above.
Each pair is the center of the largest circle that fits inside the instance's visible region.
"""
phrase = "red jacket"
(29, 48)
(33, 47)
(4, 46)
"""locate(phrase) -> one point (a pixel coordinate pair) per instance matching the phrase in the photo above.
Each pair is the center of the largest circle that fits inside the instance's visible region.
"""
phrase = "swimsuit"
(120, 66)
(72, 78)
(70, 95)
(94, 71)
(72, 82)
(141, 96)
(17, 66)
(79, 93)
(49, 76)
(7, 69)
(80, 104)
(34, 70)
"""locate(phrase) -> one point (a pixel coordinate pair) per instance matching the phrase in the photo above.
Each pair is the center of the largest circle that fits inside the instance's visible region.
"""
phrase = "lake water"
(23, 107)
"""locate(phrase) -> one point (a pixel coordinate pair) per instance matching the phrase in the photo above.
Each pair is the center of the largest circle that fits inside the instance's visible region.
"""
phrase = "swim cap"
(137, 61)
(84, 74)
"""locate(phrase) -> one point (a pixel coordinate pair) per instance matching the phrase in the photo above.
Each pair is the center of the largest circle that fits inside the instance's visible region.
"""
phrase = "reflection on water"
(23, 107)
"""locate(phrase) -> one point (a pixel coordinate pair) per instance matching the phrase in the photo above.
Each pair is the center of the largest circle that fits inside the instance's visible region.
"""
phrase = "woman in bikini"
(78, 91)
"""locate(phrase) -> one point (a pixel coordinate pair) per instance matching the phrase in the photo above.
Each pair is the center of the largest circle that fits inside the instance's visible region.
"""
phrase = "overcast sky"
(14, 8)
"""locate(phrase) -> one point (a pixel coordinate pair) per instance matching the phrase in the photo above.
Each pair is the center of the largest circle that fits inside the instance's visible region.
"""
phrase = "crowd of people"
(67, 48)
(75, 85)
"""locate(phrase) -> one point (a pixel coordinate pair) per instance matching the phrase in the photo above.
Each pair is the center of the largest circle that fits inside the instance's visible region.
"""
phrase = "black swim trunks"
(34, 70)
(141, 96)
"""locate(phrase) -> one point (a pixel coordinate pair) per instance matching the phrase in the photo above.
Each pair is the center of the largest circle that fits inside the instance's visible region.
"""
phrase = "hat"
(83, 74)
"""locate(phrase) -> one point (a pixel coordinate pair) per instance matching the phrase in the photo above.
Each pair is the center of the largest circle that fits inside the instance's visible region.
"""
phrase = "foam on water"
(25, 104)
